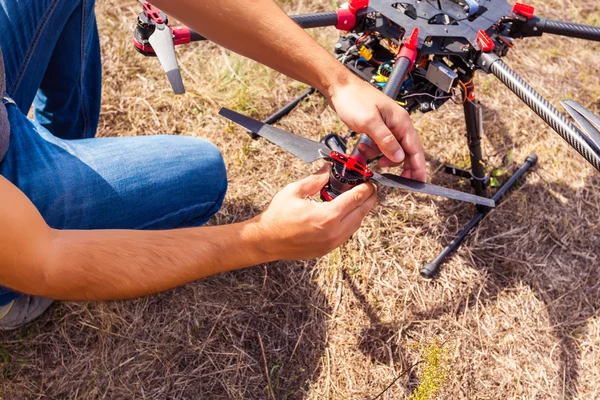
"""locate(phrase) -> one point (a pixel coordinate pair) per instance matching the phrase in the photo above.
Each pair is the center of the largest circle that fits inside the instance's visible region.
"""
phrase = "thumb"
(312, 184)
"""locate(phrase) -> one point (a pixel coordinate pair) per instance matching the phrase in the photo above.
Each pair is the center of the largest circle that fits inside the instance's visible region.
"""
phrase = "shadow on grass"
(563, 275)
(379, 340)
(254, 333)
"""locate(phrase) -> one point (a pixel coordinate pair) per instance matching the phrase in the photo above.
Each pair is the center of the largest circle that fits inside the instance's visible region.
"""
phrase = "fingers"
(313, 183)
(399, 123)
(415, 173)
(385, 162)
(349, 201)
(369, 151)
(353, 220)
(379, 131)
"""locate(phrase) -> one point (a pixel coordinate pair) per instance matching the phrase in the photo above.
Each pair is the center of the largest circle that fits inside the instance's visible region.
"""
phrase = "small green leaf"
(498, 172)
(510, 157)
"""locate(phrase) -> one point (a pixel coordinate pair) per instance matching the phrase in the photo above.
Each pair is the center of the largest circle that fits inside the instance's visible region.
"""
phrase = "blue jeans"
(52, 59)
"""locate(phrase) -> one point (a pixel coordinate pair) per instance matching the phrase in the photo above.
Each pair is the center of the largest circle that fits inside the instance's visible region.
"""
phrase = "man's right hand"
(297, 227)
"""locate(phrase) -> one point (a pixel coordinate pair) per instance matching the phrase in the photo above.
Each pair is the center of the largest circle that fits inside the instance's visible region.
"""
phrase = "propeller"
(587, 120)
(305, 149)
(164, 47)
(309, 151)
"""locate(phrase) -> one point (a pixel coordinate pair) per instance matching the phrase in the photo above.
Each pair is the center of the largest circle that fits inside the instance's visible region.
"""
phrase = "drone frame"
(483, 57)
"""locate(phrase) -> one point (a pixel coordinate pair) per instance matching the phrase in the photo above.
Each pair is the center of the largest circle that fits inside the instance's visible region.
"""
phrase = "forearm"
(260, 30)
(111, 264)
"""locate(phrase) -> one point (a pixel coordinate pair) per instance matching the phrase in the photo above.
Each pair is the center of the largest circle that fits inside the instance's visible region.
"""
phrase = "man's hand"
(367, 110)
(296, 227)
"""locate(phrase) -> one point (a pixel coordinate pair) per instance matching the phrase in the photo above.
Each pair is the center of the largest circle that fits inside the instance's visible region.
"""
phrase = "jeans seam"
(32, 45)
(180, 211)
(81, 74)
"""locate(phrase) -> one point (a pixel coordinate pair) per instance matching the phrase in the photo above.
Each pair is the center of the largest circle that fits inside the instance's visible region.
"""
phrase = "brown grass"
(518, 305)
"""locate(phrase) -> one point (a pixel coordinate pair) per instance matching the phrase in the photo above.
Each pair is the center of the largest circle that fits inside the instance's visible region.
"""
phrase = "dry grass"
(518, 305)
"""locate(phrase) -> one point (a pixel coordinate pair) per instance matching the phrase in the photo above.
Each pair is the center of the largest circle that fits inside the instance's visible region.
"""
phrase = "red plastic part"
(352, 163)
(486, 43)
(410, 46)
(360, 159)
(471, 96)
(347, 16)
(346, 19)
(523, 10)
(325, 195)
(145, 49)
(412, 42)
(181, 35)
(356, 5)
(152, 12)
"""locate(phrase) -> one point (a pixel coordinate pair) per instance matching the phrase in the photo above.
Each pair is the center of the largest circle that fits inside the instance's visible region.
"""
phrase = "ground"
(514, 314)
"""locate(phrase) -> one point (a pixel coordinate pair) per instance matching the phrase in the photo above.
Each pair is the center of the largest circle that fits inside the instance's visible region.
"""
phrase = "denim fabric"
(52, 54)
(52, 60)
(4, 126)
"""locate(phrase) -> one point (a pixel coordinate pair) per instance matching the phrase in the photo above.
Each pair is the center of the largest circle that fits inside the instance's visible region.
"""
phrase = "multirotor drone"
(421, 53)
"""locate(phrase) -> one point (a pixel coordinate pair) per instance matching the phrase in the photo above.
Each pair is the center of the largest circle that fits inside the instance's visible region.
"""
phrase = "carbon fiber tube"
(391, 89)
(397, 77)
(569, 29)
(557, 121)
(317, 20)
(305, 21)
(195, 36)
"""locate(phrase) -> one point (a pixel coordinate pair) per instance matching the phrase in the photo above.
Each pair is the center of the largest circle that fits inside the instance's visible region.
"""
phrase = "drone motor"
(346, 173)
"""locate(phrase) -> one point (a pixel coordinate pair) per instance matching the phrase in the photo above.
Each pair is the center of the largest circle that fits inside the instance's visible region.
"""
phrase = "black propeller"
(309, 151)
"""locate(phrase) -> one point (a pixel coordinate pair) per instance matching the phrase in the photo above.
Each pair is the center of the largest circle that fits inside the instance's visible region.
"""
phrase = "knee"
(215, 164)
(206, 166)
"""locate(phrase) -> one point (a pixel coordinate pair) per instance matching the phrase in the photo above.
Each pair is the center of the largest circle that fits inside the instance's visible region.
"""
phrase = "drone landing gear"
(479, 181)
(285, 110)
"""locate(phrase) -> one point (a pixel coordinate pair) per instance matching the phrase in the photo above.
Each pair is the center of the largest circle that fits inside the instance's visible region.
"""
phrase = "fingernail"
(399, 155)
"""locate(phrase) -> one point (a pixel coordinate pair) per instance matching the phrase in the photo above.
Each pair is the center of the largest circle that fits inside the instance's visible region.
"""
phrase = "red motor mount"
(346, 173)
(146, 24)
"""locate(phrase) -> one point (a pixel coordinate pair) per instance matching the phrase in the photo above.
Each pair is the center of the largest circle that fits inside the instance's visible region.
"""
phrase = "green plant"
(434, 371)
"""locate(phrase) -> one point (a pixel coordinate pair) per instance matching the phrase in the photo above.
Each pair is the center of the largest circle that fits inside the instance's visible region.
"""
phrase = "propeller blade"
(305, 149)
(587, 120)
(400, 182)
(162, 43)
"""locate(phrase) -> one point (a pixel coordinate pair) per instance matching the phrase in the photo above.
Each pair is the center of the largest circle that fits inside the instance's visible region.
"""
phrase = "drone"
(422, 54)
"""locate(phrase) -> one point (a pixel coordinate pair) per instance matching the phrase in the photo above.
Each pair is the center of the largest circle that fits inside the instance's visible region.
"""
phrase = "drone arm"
(305, 21)
(195, 36)
(537, 26)
(569, 132)
(317, 20)
(570, 29)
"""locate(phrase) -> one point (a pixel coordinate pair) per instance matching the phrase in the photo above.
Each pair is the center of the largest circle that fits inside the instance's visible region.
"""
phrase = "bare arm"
(260, 30)
(112, 264)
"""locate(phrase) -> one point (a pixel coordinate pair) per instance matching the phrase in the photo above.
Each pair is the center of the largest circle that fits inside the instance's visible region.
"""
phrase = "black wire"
(396, 380)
